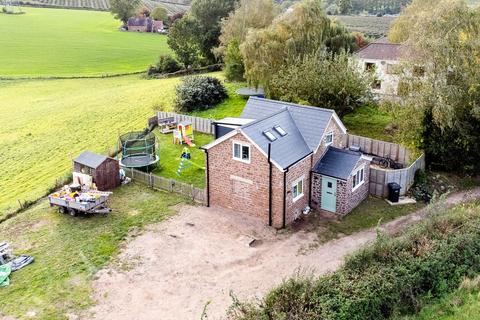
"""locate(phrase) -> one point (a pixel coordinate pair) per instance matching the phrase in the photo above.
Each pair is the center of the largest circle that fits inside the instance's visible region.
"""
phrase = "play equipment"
(184, 134)
(185, 161)
(167, 125)
(138, 149)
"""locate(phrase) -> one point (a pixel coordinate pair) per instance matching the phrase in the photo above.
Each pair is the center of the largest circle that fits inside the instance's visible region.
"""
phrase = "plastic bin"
(394, 192)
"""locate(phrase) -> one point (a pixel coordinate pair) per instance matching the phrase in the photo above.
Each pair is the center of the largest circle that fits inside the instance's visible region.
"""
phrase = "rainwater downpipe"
(270, 218)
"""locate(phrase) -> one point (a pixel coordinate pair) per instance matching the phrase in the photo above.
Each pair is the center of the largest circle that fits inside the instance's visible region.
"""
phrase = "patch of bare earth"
(201, 255)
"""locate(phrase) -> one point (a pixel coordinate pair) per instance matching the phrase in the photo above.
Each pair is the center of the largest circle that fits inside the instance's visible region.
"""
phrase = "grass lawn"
(367, 215)
(69, 251)
(170, 159)
(45, 124)
(58, 42)
(369, 121)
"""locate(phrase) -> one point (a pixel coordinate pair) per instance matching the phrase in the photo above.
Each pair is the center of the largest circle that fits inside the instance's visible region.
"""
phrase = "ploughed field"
(58, 42)
(172, 6)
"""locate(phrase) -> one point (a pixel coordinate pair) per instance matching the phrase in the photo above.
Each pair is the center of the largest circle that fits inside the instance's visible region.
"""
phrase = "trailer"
(74, 207)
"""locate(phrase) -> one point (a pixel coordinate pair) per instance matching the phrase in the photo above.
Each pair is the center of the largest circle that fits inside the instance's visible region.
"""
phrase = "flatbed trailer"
(75, 207)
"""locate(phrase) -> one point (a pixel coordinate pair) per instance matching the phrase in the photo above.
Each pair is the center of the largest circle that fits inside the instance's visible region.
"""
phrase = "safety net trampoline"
(138, 150)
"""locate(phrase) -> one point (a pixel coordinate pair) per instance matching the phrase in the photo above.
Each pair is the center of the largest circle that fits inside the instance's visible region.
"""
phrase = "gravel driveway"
(194, 260)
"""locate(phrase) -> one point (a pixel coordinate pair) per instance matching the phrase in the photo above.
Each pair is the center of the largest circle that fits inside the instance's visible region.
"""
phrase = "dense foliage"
(194, 36)
(298, 32)
(124, 9)
(394, 276)
(166, 64)
(378, 7)
(199, 93)
(323, 80)
(160, 14)
(441, 105)
(234, 67)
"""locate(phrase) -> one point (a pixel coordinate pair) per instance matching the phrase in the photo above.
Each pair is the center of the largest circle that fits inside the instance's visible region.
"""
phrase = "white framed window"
(297, 189)
(329, 138)
(358, 178)
(241, 152)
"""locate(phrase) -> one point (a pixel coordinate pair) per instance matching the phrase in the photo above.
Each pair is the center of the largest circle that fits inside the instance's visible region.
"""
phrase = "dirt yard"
(191, 263)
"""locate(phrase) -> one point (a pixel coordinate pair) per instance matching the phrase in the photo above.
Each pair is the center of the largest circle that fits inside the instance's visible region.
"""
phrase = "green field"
(57, 42)
(46, 123)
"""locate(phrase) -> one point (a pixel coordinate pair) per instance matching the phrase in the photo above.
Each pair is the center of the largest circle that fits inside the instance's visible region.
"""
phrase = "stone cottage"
(144, 24)
(282, 158)
(382, 57)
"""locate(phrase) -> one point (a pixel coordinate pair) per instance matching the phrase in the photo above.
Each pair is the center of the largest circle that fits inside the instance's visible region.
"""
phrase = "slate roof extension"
(337, 163)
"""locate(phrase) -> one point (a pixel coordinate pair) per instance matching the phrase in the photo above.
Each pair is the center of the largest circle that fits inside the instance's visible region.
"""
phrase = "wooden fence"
(170, 185)
(380, 178)
(199, 124)
(379, 148)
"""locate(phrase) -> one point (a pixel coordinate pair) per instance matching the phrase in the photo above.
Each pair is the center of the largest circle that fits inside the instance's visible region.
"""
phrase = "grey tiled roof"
(285, 150)
(90, 159)
(337, 163)
(311, 122)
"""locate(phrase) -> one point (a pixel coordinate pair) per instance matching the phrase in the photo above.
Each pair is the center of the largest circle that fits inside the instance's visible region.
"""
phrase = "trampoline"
(138, 150)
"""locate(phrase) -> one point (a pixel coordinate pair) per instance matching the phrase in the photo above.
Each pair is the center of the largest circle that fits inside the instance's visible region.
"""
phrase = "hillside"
(73, 43)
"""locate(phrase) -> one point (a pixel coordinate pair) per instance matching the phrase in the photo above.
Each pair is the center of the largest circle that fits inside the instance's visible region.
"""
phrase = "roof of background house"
(90, 159)
(138, 22)
(382, 49)
(337, 163)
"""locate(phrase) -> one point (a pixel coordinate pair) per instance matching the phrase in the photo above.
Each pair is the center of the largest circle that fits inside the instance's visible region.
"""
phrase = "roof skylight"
(269, 135)
(280, 131)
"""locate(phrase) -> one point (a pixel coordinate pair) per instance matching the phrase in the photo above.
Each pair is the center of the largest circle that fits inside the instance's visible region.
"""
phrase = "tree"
(124, 9)
(321, 79)
(182, 39)
(441, 109)
(203, 31)
(344, 6)
(209, 14)
(234, 67)
(159, 14)
(300, 31)
(250, 14)
(413, 14)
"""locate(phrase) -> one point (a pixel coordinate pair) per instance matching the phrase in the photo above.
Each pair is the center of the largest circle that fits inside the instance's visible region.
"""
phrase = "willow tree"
(301, 30)
(441, 109)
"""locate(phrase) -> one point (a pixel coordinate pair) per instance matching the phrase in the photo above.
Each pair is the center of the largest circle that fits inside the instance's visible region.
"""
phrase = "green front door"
(329, 194)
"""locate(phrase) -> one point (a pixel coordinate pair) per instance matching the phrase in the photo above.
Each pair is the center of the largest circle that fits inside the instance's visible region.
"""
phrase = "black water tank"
(394, 192)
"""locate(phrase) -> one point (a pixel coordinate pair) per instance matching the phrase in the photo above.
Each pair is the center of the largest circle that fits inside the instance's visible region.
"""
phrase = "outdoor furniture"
(167, 125)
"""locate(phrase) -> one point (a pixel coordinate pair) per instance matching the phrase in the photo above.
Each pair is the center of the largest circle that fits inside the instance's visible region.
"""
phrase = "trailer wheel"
(72, 212)
(62, 210)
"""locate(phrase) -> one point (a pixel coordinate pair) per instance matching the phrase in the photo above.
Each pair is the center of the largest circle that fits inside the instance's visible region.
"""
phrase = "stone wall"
(347, 199)
(338, 140)
(300, 170)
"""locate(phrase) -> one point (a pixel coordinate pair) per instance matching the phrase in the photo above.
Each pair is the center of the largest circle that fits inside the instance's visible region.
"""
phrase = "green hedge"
(392, 277)
(199, 93)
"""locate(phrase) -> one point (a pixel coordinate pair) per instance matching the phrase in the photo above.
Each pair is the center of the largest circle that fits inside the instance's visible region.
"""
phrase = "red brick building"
(144, 24)
(281, 159)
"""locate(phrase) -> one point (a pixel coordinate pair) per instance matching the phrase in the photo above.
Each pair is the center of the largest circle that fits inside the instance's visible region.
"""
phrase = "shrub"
(234, 67)
(165, 64)
(392, 277)
(199, 93)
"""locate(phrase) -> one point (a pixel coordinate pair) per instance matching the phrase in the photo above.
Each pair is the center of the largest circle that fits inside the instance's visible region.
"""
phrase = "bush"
(199, 93)
(234, 67)
(165, 64)
(392, 277)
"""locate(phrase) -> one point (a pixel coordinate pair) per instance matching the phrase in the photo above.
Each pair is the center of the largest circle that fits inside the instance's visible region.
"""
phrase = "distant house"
(145, 24)
(382, 57)
(280, 158)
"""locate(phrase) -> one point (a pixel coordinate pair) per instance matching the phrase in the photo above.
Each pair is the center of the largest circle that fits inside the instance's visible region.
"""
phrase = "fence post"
(193, 192)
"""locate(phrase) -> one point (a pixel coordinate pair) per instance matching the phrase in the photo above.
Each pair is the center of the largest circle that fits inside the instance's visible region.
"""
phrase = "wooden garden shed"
(103, 170)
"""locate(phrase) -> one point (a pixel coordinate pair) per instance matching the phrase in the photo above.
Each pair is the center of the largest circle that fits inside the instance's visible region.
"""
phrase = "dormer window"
(329, 138)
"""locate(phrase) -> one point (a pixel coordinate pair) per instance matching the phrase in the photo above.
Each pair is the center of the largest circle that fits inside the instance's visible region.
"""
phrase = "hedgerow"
(199, 93)
(392, 277)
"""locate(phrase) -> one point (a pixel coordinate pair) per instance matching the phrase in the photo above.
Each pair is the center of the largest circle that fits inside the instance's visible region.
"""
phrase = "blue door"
(329, 194)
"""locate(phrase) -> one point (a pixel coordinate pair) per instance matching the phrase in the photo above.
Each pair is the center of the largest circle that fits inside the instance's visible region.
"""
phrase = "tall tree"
(344, 6)
(206, 15)
(441, 112)
(183, 40)
(302, 30)
(159, 14)
(124, 9)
